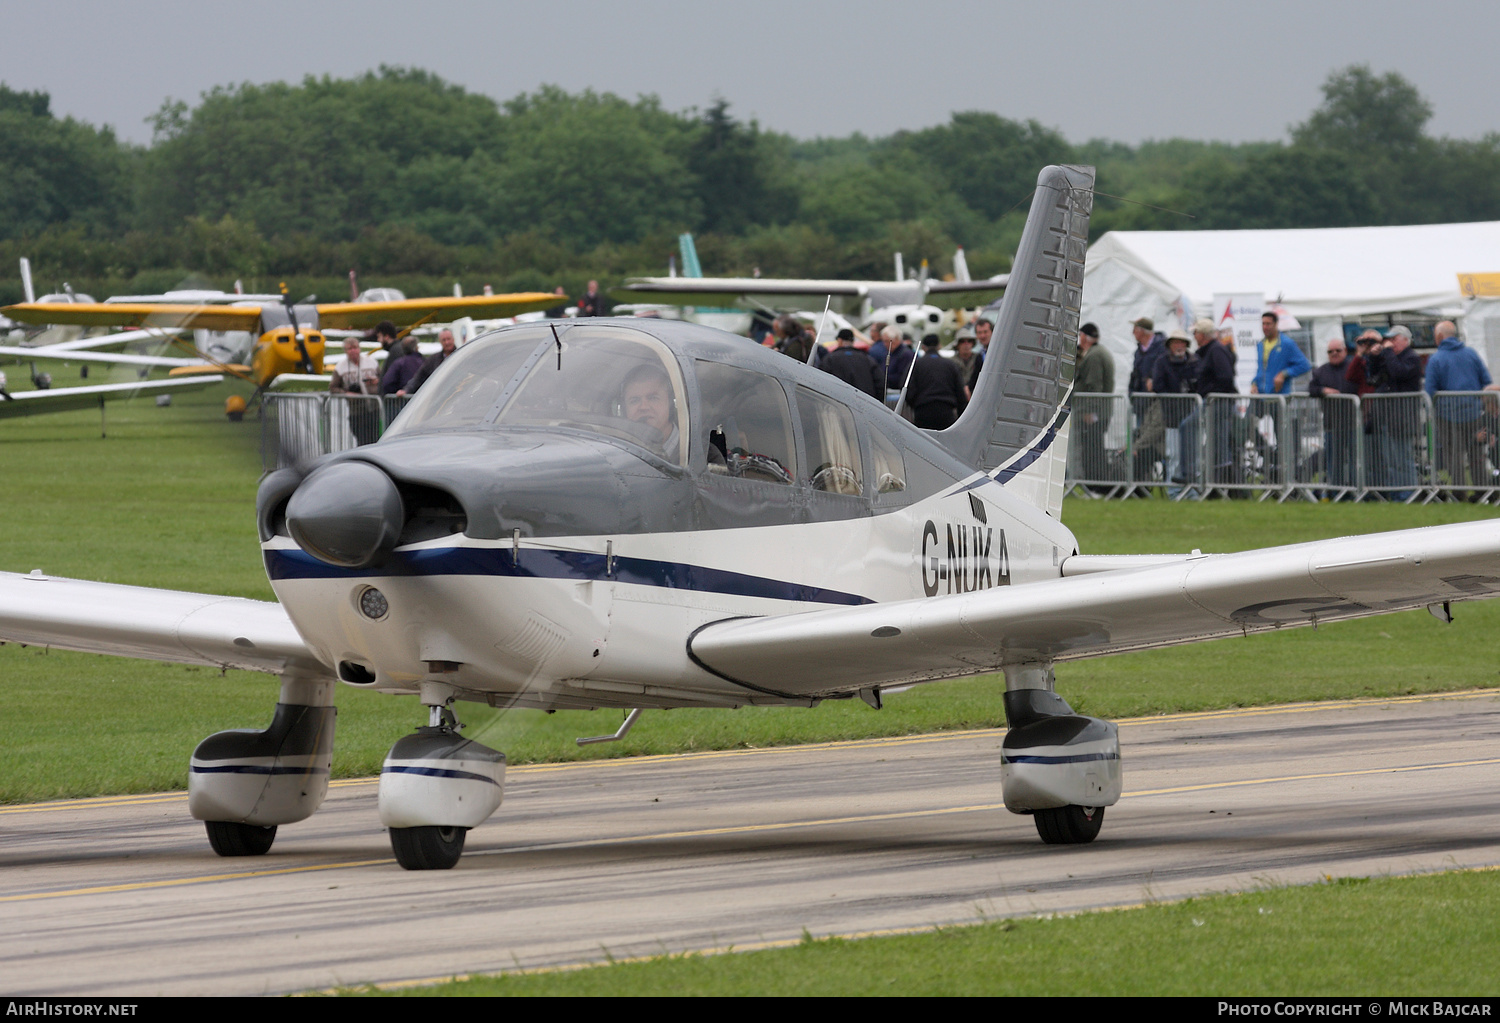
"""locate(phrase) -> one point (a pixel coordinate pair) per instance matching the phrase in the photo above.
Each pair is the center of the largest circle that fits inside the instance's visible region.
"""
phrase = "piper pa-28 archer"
(644, 514)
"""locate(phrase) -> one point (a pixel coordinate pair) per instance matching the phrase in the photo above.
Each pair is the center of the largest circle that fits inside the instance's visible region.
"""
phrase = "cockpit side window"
(747, 424)
(833, 463)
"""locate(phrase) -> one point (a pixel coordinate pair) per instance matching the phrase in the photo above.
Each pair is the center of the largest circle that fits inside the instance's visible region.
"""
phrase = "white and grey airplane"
(645, 514)
(913, 306)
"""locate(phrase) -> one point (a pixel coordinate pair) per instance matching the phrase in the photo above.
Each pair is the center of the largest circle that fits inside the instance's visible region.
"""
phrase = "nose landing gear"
(435, 786)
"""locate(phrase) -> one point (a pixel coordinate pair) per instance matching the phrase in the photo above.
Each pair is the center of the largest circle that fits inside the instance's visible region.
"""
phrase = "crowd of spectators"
(1384, 365)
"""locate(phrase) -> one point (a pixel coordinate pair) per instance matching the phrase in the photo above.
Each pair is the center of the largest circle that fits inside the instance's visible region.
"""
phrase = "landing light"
(373, 605)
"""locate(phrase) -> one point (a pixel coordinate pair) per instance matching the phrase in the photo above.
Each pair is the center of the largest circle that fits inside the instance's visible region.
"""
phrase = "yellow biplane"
(290, 334)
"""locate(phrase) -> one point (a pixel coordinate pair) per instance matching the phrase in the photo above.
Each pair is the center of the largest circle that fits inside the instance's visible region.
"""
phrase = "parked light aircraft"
(649, 513)
(913, 305)
(289, 336)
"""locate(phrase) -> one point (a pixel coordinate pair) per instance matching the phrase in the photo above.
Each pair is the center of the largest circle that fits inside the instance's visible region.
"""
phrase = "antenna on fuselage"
(813, 350)
(559, 345)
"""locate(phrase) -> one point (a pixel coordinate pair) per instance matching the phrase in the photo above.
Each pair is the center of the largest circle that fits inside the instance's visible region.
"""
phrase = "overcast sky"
(1126, 71)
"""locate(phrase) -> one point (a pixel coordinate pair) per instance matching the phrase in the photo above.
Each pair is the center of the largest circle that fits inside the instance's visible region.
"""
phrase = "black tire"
(428, 848)
(1069, 825)
(230, 838)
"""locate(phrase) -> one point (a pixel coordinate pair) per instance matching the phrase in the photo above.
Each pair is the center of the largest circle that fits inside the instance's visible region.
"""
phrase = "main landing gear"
(244, 783)
(435, 786)
(1061, 768)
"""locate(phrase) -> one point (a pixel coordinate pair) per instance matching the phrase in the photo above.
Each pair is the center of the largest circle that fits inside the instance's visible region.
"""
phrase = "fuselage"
(555, 552)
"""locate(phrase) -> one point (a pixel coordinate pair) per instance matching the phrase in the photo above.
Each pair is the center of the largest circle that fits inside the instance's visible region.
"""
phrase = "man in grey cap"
(1095, 375)
(1396, 421)
(1149, 433)
(1216, 376)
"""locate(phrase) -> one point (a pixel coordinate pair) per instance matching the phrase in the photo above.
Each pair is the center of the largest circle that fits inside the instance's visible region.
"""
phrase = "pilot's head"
(647, 398)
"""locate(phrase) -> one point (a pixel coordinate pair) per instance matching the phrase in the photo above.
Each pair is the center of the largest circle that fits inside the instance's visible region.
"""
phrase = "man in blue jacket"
(1461, 437)
(1278, 360)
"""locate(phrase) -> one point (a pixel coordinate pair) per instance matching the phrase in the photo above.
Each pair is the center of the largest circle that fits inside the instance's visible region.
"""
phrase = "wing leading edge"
(1199, 598)
(156, 625)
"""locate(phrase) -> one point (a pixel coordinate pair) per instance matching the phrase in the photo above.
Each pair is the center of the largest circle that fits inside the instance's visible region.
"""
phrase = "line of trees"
(417, 183)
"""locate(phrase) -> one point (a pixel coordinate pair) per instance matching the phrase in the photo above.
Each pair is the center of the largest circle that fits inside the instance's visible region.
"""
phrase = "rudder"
(1015, 427)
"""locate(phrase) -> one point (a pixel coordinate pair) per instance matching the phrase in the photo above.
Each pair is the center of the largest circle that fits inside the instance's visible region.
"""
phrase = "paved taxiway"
(123, 896)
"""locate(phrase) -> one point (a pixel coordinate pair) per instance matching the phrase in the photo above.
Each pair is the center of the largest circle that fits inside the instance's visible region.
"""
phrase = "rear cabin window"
(833, 464)
(890, 466)
(746, 423)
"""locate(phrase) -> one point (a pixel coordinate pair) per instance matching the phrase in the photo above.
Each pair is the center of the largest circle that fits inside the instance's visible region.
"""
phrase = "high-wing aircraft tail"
(1015, 427)
(690, 265)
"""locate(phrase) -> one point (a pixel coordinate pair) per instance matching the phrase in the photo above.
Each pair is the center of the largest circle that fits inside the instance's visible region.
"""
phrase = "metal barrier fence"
(1328, 453)
(1397, 447)
(297, 428)
(1465, 457)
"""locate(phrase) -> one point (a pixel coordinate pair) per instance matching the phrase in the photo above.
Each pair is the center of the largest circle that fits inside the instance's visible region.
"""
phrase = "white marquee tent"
(1322, 276)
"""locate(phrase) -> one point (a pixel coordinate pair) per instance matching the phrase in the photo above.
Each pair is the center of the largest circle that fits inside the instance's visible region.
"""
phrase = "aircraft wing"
(94, 344)
(151, 314)
(362, 315)
(61, 399)
(114, 358)
(157, 625)
(966, 294)
(1103, 612)
(732, 291)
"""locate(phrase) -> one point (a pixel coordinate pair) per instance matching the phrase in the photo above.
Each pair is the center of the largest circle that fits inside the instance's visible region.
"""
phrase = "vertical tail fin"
(690, 265)
(1015, 427)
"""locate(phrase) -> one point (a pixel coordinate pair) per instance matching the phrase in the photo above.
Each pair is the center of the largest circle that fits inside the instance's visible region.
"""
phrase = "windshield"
(470, 382)
(607, 380)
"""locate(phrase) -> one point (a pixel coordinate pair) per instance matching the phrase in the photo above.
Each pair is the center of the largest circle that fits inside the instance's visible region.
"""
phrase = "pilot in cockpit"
(646, 399)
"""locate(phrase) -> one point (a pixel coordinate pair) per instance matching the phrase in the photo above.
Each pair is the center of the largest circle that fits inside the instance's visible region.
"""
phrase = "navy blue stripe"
(257, 769)
(437, 772)
(1081, 758)
(1036, 451)
(533, 563)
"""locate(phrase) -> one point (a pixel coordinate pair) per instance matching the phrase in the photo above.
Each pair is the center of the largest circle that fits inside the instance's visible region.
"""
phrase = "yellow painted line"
(177, 882)
(787, 825)
(1306, 708)
(1312, 777)
(881, 742)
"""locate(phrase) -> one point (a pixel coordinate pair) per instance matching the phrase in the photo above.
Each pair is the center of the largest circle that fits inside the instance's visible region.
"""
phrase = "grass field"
(167, 500)
(1402, 937)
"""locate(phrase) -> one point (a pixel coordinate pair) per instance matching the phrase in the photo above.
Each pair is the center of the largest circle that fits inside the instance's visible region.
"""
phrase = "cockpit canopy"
(600, 379)
(622, 383)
